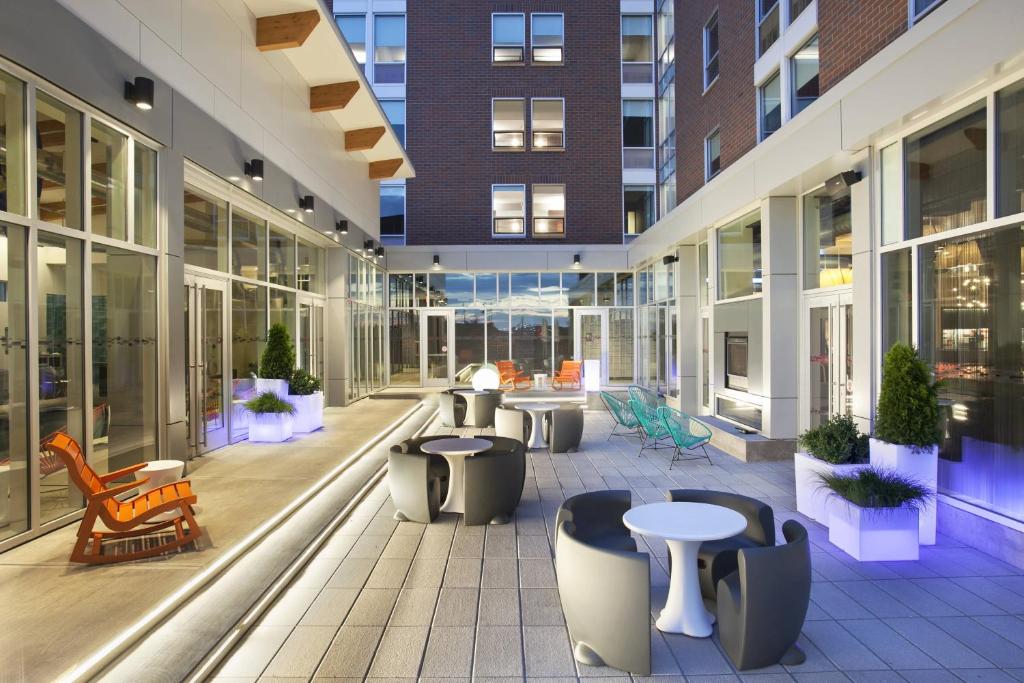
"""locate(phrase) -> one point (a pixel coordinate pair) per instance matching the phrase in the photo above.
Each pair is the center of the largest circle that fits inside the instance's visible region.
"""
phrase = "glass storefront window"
(282, 258)
(620, 345)
(892, 217)
(14, 475)
(486, 289)
(248, 246)
(896, 298)
(206, 231)
(624, 289)
(828, 241)
(451, 289)
(606, 289)
(524, 289)
(562, 337)
(469, 343)
(405, 347)
(400, 290)
(945, 173)
(497, 336)
(248, 332)
(552, 291)
(282, 310)
(704, 282)
(1010, 171)
(145, 196)
(531, 340)
(109, 181)
(12, 144)
(58, 162)
(311, 268)
(739, 257)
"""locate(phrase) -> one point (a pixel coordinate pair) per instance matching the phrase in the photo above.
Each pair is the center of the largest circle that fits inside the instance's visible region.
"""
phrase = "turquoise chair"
(646, 396)
(622, 414)
(652, 428)
(688, 434)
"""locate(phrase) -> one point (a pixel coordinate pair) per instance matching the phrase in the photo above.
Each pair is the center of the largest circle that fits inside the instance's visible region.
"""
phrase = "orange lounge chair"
(139, 516)
(569, 374)
(509, 375)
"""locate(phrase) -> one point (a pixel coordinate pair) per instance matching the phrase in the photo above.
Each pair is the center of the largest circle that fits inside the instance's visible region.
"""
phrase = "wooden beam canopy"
(332, 96)
(283, 31)
(362, 139)
(386, 168)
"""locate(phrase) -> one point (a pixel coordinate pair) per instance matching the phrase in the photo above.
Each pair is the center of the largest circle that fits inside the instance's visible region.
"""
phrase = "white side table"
(455, 451)
(160, 473)
(537, 412)
(540, 381)
(470, 405)
(684, 526)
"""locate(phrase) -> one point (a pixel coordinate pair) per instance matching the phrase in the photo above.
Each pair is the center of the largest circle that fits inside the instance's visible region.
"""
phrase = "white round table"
(684, 526)
(537, 412)
(160, 473)
(455, 451)
(470, 405)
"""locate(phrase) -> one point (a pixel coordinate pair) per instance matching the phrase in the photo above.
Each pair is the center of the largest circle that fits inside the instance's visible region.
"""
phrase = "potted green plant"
(271, 419)
(304, 392)
(833, 447)
(276, 362)
(906, 433)
(873, 514)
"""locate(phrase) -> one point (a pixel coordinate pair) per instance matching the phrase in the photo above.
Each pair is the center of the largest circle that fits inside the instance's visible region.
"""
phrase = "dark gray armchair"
(606, 599)
(494, 482)
(597, 518)
(484, 406)
(418, 481)
(564, 429)
(716, 559)
(511, 423)
(762, 605)
(453, 408)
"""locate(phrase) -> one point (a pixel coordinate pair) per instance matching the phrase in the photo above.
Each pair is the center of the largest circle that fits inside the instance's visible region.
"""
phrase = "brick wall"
(851, 32)
(450, 85)
(729, 103)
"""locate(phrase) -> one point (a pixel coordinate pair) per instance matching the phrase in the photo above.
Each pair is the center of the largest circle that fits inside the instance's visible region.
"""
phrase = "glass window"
(531, 340)
(711, 50)
(248, 333)
(282, 258)
(620, 345)
(897, 284)
(451, 289)
(551, 289)
(768, 24)
(922, 7)
(547, 38)
(508, 208)
(892, 217)
(282, 310)
(796, 8)
(945, 174)
(124, 358)
(353, 27)
(524, 289)
(310, 268)
(562, 337)
(638, 204)
(508, 38)
(580, 288)
(470, 346)
(606, 289)
(248, 246)
(58, 162)
(828, 240)
(508, 123)
(389, 48)
(486, 289)
(667, 131)
(712, 156)
(638, 134)
(497, 336)
(400, 290)
(739, 257)
(206, 231)
(109, 182)
(624, 289)
(704, 282)
(637, 49)
(12, 144)
(549, 210)
(770, 95)
(14, 437)
(392, 210)
(395, 111)
(405, 347)
(1010, 175)
(805, 75)
(547, 119)
(145, 196)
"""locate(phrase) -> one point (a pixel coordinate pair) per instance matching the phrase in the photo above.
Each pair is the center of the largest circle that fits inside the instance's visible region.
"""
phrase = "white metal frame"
(705, 56)
(526, 213)
(449, 316)
(577, 347)
(561, 46)
(494, 45)
(522, 100)
(533, 125)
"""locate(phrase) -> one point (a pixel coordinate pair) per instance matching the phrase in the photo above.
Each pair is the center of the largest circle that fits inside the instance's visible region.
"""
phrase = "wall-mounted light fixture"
(341, 227)
(576, 265)
(254, 169)
(437, 262)
(380, 253)
(140, 93)
(670, 259)
(306, 203)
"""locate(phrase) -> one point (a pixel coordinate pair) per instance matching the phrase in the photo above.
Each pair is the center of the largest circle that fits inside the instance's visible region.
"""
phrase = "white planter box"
(277, 386)
(309, 412)
(270, 427)
(873, 534)
(811, 495)
(922, 466)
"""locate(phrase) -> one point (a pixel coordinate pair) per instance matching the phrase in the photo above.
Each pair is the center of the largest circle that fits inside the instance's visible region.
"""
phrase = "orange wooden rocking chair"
(569, 374)
(509, 375)
(144, 514)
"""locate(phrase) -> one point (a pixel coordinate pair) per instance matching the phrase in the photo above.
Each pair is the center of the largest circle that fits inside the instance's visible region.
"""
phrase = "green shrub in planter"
(278, 358)
(872, 487)
(268, 402)
(836, 441)
(303, 384)
(908, 402)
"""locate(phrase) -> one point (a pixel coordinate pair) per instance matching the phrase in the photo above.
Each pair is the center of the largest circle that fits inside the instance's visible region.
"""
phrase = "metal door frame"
(198, 439)
(449, 317)
(839, 398)
(577, 342)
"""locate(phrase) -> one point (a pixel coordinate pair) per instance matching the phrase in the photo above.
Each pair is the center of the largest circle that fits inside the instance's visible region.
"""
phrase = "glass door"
(206, 359)
(309, 347)
(591, 342)
(828, 357)
(438, 344)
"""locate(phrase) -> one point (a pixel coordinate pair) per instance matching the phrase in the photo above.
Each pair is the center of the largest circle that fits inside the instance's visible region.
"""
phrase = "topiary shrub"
(878, 488)
(269, 403)
(836, 441)
(908, 402)
(278, 359)
(303, 384)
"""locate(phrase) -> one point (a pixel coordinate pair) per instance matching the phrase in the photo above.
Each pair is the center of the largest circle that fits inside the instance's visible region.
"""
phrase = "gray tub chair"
(597, 518)
(762, 605)
(716, 559)
(564, 429)
(418, 481)
(453, 408)
(494, 482)
(511, 423)
(606, 599)
(484, 406)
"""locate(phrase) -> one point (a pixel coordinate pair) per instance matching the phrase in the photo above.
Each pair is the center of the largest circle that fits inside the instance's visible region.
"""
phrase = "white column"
(863, 379)
(780, 316)
(688, 332)
(336, 321)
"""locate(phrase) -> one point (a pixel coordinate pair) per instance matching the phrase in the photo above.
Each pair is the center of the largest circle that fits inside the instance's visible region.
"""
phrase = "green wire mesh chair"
(652, 428)
(622, 414)
(687, 434)
(646, 396)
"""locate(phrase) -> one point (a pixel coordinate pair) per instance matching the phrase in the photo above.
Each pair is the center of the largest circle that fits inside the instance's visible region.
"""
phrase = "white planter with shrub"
(278, 387)
(811, 497)
(834, 447)
(922, 465)
(270, 418)
(304, 393)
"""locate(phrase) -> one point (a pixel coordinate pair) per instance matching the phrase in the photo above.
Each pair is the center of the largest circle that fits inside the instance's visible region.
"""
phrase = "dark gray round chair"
(564, 429)
(762, 605)
(484, 406)
(597, 518)
(716, 559)
(452, 407)
(418, 481)
(494, 482)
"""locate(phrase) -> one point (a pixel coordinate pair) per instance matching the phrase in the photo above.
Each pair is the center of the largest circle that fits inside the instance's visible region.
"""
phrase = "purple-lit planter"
(309, 412)
(873, 534)
(270, 427)
(276, 386)
(811, 495)
(921, 465)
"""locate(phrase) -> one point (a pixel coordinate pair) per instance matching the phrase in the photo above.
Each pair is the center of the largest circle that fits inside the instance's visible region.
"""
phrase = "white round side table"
(160, 473)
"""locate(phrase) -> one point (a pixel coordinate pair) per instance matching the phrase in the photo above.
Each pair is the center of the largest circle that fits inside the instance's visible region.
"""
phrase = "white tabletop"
(537, 406)
(470, 392)
(685, 521)
(160, 465)
(456, 446)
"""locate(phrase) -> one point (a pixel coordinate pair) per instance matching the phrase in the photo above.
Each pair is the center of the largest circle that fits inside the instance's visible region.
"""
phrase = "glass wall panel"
(1010, 176)
(704, 282)
(828, 241)
(892, 217)
(971, 331)
(624, 289)
(638, 205)
(404, 329)
(400, 290)
(945, 174)
(12, 144)
(282, 258)
(392, 210)
(805, 75)
(580, 287)
(497, 336)
(524, 290)
(739, 257)
(486, 289)
(61, 366)
(451, 289)
(109, 182)
(14, 475)
(248, 333)
(771, 106)
(531, 340)
(311, 268)
(282, 310)
(58, 162)
(606, 289)
(248, 246)
(552, 291)
(124, 357)
(897, 283)
(562, 336)
(469, 343)
(705, 362)
(206, 231)
(620, 345)
(145, 196)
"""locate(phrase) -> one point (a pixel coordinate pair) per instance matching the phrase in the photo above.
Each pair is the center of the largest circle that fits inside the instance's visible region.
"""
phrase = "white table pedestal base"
(456, 498)
(684, 610)
(537, 430)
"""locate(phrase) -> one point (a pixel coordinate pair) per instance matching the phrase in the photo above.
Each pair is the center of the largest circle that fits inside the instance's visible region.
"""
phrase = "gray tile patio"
(404, 601)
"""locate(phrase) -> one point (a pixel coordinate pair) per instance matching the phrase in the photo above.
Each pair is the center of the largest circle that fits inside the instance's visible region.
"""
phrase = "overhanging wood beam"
(381, 170)
(362, 139)
(332, 96)
(282, 31)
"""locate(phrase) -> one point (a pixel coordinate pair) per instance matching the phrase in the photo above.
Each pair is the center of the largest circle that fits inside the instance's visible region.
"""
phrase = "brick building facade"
(853, 32)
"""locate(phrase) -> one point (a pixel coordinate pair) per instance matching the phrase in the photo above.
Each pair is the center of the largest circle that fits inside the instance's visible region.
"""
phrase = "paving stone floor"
(389, 600)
